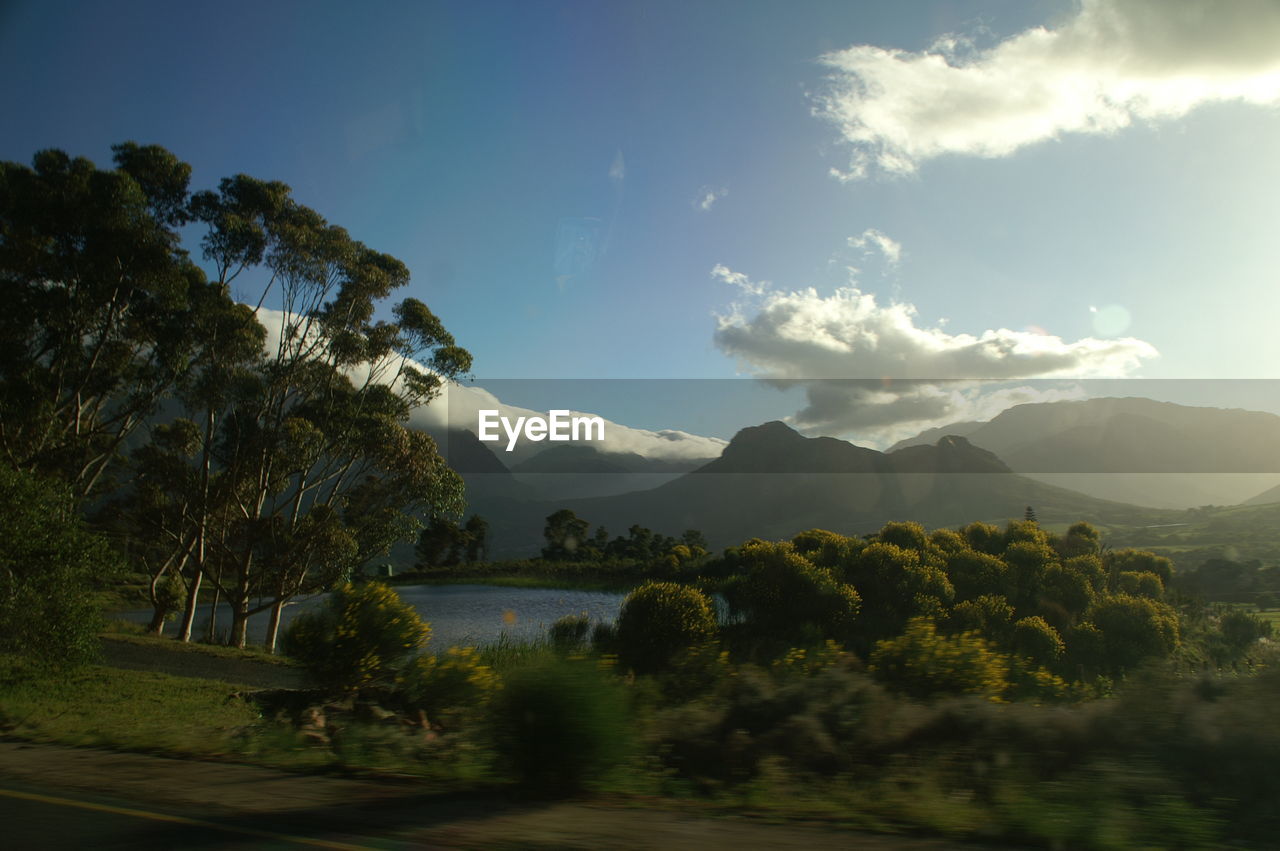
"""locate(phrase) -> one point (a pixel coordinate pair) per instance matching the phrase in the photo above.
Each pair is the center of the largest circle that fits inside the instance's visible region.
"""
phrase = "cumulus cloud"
(874, 369)
(1112, 63)
(707, 197)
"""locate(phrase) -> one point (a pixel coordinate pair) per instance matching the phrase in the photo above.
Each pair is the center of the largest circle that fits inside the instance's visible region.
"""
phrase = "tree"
(477, 543)
(438, 544)
(565, 532)
(101, 305)
(317, 469)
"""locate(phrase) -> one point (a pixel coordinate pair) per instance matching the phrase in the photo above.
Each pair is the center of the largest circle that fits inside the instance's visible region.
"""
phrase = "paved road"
(54, 797)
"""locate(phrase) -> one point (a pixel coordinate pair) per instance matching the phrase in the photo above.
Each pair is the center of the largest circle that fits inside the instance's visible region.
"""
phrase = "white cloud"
(618, 170)
(874, 370)
(459, 405)
(723, 273)
(707, 197)
(872, 239)
(1110, 64)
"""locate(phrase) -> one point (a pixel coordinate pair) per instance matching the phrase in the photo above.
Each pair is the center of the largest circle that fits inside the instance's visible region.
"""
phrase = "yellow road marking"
(191, 822)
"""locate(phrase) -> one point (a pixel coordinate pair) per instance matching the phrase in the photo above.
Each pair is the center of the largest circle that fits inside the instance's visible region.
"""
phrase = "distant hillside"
(1267, 497)
(1134, 450)
(773, 482)
(572, 471)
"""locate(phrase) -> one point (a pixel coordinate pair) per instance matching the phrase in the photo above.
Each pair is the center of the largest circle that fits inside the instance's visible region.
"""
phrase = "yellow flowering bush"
(357, 638)
(924, 663)
(458, 678)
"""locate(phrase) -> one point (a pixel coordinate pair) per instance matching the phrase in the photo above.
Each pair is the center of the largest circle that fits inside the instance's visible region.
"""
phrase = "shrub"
(1134, 629)
(924, 664)
(560, 723)
(783, 595)
(438, 684)
(989, 614)
(1140, 584)
(357, 638)
(49, 562)
(1034, 639)
(570, 632)
(659, 620)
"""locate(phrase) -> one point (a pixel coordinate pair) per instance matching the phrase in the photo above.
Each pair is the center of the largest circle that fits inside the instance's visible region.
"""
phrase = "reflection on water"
(458, 614)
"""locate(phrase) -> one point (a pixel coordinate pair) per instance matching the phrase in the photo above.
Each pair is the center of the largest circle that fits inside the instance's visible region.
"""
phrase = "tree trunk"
(239, 624)
(211, 634)
(193, 596)
(273, 625)
(156, 627)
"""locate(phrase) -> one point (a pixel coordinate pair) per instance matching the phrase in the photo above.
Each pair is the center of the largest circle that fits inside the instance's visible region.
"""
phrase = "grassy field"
(127, 710)
(128, 632)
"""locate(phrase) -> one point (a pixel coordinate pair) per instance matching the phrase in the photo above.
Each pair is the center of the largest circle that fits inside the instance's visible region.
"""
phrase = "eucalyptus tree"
(100, 302)
(308, 465)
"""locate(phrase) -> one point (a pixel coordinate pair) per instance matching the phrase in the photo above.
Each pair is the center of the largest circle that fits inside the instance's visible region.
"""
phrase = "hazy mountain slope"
(1135, 450)
(773, 482)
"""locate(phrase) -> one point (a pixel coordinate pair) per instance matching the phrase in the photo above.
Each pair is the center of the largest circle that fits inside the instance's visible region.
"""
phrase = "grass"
(248, 654)
(125, 710)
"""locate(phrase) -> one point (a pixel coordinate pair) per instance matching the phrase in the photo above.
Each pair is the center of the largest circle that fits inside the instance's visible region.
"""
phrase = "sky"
(1006, 190)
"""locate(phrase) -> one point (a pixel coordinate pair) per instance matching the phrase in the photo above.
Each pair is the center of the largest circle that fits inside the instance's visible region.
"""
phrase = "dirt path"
(79, 785)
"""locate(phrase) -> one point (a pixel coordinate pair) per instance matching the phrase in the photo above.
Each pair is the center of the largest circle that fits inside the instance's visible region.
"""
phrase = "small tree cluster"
(569, 538)
(443, 543)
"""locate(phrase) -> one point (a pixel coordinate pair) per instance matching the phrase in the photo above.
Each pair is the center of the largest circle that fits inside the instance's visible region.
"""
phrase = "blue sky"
(563, 178)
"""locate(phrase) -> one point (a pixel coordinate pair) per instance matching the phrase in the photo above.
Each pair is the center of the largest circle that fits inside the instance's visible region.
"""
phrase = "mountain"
(1267, 497)
(773, 482)
(576, 470)
(1132, 449)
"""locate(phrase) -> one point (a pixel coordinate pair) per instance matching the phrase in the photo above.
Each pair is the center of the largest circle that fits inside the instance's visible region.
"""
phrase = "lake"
(459, 614)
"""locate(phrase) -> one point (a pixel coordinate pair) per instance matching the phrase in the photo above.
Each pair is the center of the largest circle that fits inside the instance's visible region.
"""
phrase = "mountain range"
(1132, 449)
(770, 481)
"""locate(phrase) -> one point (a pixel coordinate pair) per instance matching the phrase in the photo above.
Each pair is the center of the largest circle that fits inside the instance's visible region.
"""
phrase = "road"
(54, 797)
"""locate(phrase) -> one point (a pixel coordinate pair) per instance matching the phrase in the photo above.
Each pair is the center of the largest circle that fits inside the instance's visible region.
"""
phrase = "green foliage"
(1133, 629)
(457, 682)
(974, 573)
(1241, 629)
(990, 615)
(101, 306)
(658, 621)
(1141, 561)
(908, 536)
(1140, 584)
(559, 724)
(896, 585)
(925, 664)
(985, 538)
(1034, 639)
(565, 533)
(1080, 539)
(781, 594)
(357, 638)
(570, 632)
(49, 565)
